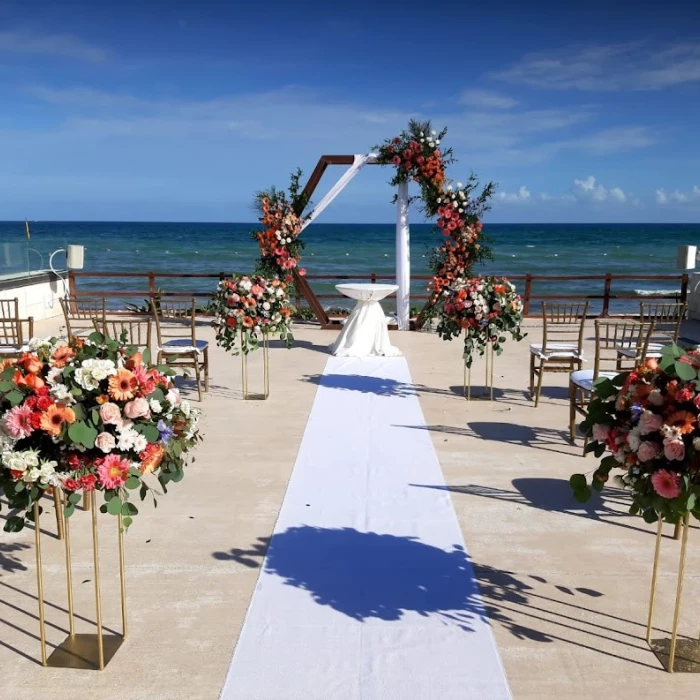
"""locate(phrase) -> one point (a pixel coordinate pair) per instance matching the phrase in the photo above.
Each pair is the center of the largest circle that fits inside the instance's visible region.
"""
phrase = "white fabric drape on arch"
(359, 162)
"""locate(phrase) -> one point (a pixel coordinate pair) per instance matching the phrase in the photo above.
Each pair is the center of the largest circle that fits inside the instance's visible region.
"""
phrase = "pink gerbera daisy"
(666, 483)
(18, 422)
(113, 472)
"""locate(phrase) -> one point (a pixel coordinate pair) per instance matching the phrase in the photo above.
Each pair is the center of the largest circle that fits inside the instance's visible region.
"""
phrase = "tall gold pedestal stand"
(488, 380)
(675, 654)
(82, 651)
(266, 371)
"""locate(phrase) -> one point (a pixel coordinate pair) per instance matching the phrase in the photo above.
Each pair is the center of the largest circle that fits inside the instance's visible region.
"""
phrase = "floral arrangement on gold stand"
(247, 311)
(81, 418)
(647, 421)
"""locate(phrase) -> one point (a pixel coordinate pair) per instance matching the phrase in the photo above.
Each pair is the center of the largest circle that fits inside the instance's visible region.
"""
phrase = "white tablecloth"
(365, 333)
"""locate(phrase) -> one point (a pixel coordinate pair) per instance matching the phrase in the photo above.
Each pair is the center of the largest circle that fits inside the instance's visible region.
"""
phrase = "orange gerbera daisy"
(684, 420)
(56, 416)
(62, 355)
(123, 385)
(247, 322)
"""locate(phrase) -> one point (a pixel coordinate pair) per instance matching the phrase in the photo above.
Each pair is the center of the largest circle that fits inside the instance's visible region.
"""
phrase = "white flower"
(127, 439)
(156, 406)
(62, 393)
(140, 443)
(455, 205)
(289, 240)
(422, 134)
(266, 305)
(634, 439)
(437, 142)
(439, 199)
(41, 344)
(92, 372)
(449, 187)
(32, 475)
(186, 407)
(459, 185)
(422, 140)
(54, 373)
(433, 132)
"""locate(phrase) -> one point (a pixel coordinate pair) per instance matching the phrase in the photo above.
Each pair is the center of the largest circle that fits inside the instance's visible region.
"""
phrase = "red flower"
(396, 160)
(43, 403)
(71, 485)
(35, 420)
(42, 391)
(397, 139)
(87, 482)
(73, 460)
(231, 321)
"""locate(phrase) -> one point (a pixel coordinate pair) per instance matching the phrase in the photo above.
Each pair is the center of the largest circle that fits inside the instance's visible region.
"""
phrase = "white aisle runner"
(366, 591)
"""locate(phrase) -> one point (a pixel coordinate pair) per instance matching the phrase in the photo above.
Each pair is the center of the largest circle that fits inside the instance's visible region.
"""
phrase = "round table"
(365, 333)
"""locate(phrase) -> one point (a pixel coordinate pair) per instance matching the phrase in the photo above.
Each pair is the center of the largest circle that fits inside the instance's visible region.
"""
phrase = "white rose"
(266, 306)
(31, 458)
(15, 463)
(32, 475)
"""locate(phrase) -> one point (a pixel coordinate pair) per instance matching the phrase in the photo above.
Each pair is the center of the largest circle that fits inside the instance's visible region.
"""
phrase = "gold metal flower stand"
(675, 654)
(488, 378)
(265, 344)
(81, 651)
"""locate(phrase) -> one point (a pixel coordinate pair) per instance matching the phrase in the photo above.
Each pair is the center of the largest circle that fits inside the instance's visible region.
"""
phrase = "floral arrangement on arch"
(647, 420)
(280, 215)
(90, 415)
(248, 308)
(482, 309)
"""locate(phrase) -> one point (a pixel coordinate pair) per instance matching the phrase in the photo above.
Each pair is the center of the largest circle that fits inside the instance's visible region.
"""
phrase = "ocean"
(361, 249)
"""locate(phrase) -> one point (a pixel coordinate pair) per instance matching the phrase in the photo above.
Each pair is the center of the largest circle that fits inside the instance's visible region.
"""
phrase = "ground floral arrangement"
(647, 420)
(90, 415)
(247, 309)
(484, 310)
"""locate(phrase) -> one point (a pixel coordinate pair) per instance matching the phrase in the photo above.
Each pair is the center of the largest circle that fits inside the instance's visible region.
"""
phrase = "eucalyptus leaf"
(114, 506)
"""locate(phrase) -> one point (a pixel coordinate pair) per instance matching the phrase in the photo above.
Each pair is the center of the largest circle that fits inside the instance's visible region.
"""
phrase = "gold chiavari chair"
(134, 331)
(84, 315)
(178, 345)
(610, 336)
(561, 349)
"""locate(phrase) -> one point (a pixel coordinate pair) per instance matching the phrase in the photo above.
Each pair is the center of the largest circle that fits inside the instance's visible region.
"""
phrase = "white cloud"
(487, 99)
(589, 189)
(627, 66)
(56, 45)
(522, 195)
(677, 197)
(546, 197)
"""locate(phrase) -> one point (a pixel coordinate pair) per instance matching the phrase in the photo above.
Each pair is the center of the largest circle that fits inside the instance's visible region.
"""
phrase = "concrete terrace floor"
(566, 586)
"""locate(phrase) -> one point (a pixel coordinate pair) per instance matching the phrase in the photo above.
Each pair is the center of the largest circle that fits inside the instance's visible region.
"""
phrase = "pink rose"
(110, 413)
(647, 451)
(173, 397)
(601, 432)
(674, 449)
(138, 408)
(105, 441)
(650, 422)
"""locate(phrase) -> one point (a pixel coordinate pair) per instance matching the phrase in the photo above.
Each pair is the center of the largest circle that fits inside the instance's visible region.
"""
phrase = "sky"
(180, 111)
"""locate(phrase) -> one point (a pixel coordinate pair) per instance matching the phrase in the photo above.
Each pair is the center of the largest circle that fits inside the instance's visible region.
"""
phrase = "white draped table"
(365, 333)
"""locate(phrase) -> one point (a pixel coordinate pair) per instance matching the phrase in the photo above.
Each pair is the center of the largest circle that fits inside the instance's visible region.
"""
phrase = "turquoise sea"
(362, 249)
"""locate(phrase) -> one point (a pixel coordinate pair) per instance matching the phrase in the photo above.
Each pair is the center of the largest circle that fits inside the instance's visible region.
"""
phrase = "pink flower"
(256, 290)
(650, 422)
(110, 413)
(18, 422)
(113, 471)
(666, 483)
(173, 397)
(396, 160)
(647, 451)
(105, 442)
(601, 432)
(232, 299)
(138, 408)
(674, 449)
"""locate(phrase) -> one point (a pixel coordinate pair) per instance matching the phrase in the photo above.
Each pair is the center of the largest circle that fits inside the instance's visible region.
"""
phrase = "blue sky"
(172, 111)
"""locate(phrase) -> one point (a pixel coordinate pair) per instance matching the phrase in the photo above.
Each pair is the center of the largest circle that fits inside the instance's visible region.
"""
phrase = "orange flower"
(136, 360)
(247, 322)
(31, 363)
(684, 420)
(102, 398)
(4, 364)
(55, 417)
(34, 381)
(62, 355)
(123, 385)
(151, 458)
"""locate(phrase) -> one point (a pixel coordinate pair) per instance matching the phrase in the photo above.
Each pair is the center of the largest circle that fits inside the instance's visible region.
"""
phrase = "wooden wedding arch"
(403, 255)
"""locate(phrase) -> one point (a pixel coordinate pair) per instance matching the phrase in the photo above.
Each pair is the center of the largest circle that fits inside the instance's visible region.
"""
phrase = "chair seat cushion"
(13, 349)
(583, 378)
(183, 345)
(565, 351)
(653, 350)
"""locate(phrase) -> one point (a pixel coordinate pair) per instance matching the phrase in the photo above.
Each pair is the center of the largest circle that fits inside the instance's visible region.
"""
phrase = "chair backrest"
(9, 309)
(83, 315)
(11, 333)
(174, 320)
(613, 334)
(137, 330)
(563, 323)
(667, 318)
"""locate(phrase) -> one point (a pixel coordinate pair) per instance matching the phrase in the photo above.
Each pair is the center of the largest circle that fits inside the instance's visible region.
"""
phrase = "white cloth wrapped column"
(365, 333)
(403, 260)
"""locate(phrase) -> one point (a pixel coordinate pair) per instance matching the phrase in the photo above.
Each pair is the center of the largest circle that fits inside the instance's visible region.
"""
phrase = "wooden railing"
(154, 285)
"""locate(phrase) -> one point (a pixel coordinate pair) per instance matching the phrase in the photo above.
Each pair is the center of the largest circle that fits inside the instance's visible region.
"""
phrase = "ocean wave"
(655, 292)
